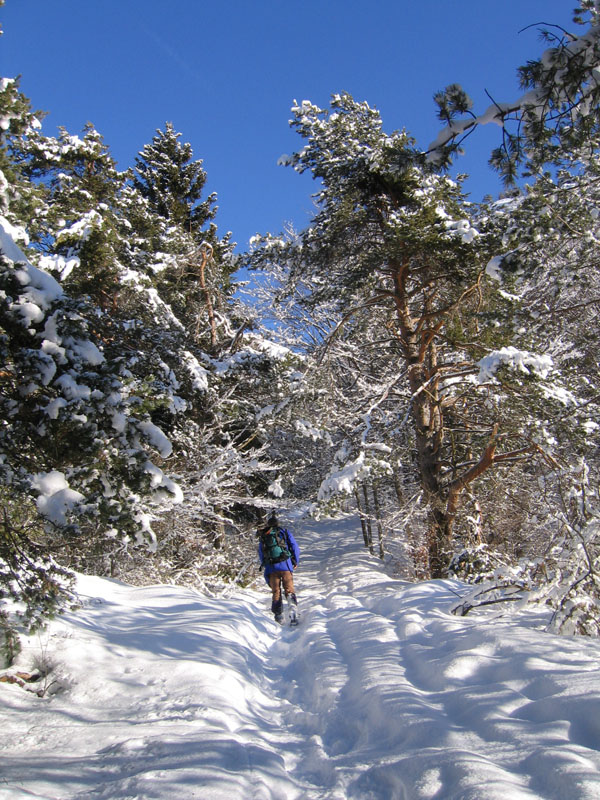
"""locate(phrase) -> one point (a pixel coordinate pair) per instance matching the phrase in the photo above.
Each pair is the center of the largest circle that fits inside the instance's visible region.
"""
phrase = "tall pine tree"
(394, 240)
(197, 283)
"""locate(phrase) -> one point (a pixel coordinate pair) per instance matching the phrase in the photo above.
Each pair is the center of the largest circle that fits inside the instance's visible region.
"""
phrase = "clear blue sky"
(226, 72)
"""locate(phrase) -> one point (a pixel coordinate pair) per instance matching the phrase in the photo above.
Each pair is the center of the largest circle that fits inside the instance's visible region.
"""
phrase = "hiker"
(279, 555)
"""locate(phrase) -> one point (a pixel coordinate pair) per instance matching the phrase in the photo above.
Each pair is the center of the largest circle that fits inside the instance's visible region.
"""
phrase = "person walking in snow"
(279, 555)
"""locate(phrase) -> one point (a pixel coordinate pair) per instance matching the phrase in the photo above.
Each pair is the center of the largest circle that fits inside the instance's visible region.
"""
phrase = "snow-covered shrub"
(572, 585)
(478, 563)
(565, 575)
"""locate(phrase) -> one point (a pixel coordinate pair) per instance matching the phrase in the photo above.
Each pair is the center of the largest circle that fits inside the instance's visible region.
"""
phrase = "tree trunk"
(379, 521)
(417, 338)
(363, 514)
(362, 520)
(207, 250)
(439, 542)
(368, 518)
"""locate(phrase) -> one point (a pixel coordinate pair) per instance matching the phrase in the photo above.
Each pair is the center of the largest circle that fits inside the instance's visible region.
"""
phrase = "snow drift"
(380, 694)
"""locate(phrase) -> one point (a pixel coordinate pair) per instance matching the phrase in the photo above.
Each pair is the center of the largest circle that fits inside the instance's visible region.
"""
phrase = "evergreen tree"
(197, 283)
(76, 445)
(172, 183)
(78, 231)
(558, 114)
(546, 267)
(394, 241)
(20, 200)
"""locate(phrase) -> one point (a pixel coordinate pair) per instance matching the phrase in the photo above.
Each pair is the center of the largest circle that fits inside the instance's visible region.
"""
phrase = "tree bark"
(207, 250)
(363, 523)
(417, 336)
(368, 518)
(379, 522)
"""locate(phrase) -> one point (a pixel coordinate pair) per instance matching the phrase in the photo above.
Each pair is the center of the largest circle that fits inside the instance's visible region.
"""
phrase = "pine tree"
(172, 183)
(546, 269)
(20, 200)
(394, 240)
(78, 231)
(558, 113)
(197, 285)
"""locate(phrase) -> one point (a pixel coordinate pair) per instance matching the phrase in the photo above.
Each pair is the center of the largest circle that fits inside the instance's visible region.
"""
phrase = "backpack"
(274, 546)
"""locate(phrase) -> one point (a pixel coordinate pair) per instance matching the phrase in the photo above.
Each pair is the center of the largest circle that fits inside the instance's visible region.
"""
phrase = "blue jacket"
(288, 564)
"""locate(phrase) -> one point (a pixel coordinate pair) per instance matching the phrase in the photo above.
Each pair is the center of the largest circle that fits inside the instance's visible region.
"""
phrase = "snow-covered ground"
(380, 694)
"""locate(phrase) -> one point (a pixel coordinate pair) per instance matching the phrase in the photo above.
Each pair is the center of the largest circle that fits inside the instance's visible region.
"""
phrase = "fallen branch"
(471, 602)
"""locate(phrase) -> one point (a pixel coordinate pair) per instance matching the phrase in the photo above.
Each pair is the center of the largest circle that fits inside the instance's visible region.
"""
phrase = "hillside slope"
(380, 694)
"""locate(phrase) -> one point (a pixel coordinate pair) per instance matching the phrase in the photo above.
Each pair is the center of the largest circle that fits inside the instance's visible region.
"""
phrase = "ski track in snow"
(379, 694)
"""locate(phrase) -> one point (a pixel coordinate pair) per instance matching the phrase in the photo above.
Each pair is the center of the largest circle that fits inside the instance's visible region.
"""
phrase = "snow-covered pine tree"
(232, 373)
(76, 447)
(21, 200)
(558, 113)
(546, 269)
(394, 240)
(172, 183)
(197, 284)
(78, 232)
(104, 382)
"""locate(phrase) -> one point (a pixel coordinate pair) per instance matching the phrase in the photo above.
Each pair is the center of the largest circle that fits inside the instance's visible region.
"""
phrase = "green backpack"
(274, 546)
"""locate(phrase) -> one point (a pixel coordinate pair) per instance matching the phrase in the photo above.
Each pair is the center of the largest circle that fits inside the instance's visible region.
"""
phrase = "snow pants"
(276, 578)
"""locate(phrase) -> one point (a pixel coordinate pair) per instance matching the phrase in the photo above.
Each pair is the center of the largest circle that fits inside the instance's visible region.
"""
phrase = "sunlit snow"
(55, 497)
(380, 694)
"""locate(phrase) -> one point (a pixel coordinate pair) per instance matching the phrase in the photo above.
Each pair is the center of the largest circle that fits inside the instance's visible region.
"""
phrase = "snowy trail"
(380, 694)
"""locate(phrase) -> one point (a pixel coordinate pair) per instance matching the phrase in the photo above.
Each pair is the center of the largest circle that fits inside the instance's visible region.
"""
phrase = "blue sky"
(226, 72)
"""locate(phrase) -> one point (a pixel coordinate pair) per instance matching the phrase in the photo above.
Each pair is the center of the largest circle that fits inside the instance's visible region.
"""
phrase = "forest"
(427, 361)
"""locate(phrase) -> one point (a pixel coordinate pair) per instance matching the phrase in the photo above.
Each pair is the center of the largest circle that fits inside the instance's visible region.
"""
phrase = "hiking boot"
(277, 609)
